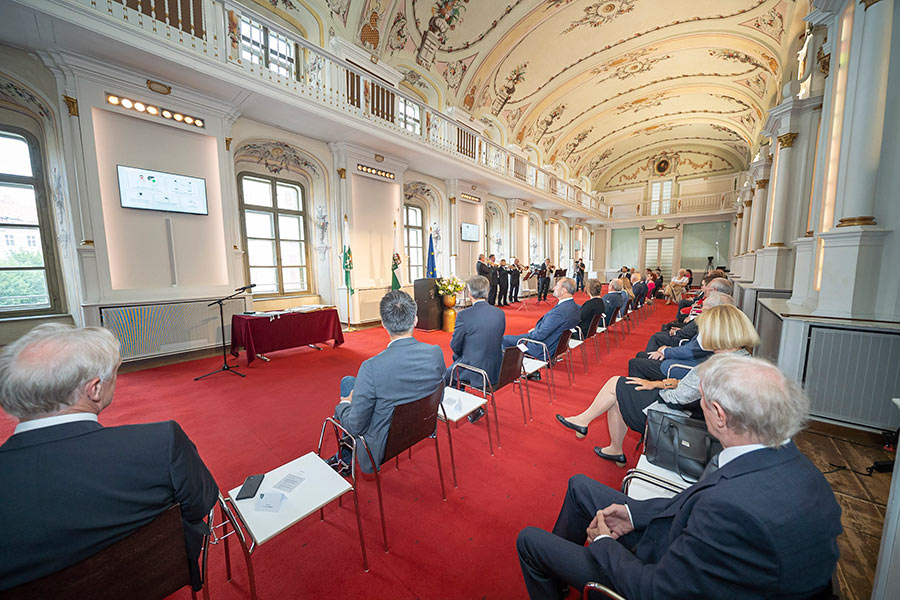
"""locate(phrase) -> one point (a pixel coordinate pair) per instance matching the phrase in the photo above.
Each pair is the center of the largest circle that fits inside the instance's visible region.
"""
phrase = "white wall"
(136, 241)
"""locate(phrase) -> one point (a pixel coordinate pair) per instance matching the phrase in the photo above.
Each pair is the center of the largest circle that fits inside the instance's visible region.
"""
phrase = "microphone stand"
(225, 366)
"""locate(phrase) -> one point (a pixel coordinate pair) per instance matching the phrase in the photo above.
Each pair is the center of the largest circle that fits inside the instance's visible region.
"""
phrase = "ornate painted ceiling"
(600, 89)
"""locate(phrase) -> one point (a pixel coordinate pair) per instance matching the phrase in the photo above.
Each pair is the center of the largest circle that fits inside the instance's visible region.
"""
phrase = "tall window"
(262, 46)
(27, 278)
(274, 220)
(661, 197)
(408, 115)
(414, 241)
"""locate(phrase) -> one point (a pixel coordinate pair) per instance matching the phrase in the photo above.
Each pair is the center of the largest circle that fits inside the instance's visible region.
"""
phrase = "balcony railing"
(229, 33)
(706, 203)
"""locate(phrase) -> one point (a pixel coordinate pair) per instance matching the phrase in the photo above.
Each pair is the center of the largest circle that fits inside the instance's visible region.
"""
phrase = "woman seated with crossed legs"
(625, 400)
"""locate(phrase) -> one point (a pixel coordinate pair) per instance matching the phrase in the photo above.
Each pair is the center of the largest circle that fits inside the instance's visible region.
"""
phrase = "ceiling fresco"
(595, 88)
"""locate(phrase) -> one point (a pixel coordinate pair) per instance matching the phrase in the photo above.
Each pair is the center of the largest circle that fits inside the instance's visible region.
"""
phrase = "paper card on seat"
(290, 482)
(522, 346)
(269, 502)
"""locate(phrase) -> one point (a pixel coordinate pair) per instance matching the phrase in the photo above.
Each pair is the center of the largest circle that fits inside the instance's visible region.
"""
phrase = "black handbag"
(679, 443)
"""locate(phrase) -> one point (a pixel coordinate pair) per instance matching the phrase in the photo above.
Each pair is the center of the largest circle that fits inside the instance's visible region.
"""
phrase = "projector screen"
(156, 190)
(469, 232)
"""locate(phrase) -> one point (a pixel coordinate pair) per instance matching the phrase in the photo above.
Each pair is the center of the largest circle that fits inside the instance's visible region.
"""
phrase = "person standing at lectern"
(503, 282)
(515, 270)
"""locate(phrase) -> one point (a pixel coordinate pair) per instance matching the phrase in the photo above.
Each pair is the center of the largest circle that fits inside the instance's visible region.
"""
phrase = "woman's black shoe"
(619, 459)
(580, 431)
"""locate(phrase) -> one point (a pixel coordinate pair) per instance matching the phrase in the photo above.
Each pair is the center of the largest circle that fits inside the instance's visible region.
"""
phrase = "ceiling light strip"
(373, 171)
(153, 110)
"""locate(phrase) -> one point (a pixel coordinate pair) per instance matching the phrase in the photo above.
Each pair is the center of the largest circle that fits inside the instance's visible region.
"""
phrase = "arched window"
(29, 282)
(274, 232)
(414, 240)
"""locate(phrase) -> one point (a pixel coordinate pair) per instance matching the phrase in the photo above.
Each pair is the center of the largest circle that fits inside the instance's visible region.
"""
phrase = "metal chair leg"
(452, 459)
(362, 540)
(551, 382)
(487, 422)
(496, 418)
(381, 508)
(584, 356)
(437, 453)
(522, 398)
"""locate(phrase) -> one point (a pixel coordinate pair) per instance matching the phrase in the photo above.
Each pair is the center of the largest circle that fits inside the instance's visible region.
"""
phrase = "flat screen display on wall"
(157, 190)
(469, 232)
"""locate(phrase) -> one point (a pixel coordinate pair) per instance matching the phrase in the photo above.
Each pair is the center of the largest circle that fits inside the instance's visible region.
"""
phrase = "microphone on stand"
(245, 288)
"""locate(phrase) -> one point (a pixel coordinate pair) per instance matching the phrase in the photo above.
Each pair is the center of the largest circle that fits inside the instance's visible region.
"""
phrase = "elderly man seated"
(614, 299)
(762, 522)
(406, 371)
(565, 315)
(72, 486)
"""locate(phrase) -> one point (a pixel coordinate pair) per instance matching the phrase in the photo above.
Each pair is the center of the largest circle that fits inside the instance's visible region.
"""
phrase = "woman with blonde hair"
(676, 287)
(625, 400)
(627, 287)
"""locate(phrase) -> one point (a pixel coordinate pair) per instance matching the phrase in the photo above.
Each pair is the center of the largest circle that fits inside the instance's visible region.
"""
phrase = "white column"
(758, 216)
(866, 126)
(782, 185)
(454, 235)
(745, 227)
(736, 233)
(511, 242)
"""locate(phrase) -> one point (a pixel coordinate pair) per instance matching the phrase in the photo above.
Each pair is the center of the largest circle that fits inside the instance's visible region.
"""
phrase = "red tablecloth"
(262, 334)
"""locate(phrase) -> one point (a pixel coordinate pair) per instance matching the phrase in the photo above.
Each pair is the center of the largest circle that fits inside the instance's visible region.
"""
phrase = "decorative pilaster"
(758, 216)
(780, 197)
(866, 126)
(745, 228)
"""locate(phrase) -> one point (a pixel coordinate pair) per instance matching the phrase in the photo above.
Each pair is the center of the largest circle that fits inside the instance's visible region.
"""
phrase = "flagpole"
(347, 281)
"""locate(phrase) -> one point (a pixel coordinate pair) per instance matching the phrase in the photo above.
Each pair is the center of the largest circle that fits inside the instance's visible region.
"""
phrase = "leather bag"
(679, 443)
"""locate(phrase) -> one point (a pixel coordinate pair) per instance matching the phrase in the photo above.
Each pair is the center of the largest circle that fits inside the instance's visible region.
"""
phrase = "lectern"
(428, 304)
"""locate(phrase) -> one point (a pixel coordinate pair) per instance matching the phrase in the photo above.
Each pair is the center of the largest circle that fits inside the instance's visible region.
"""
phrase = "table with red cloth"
(260, 334)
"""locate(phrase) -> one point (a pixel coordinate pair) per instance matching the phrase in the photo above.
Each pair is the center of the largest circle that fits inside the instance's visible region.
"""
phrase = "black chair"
(149, 564)
(410, 424)
(564, 353)
(583, 338)
(614, 320)
(510, 372)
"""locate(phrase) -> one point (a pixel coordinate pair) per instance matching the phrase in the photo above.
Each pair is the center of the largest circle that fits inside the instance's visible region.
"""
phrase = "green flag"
(347, 257)
(395, 264)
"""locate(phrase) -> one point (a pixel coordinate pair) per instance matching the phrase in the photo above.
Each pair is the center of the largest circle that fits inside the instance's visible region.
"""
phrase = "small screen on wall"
(469, 232)
(157, 190)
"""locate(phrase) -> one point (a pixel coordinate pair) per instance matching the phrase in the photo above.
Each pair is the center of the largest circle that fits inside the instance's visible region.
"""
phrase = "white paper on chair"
(290, 482)
(269, 502)
(522, 346)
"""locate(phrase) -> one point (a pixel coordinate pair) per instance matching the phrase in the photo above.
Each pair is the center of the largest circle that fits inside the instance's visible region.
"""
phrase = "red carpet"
(461, 548)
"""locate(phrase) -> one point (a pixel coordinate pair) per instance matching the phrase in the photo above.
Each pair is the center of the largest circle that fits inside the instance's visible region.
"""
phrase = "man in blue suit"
(613, 299)
(406, 371)
(639, 287)
(73, 486)
(477, 338)
(762, 522)
(565, 315)
(655, 365)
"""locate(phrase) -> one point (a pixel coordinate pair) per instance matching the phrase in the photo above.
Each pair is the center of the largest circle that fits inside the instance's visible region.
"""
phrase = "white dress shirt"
(51, 421)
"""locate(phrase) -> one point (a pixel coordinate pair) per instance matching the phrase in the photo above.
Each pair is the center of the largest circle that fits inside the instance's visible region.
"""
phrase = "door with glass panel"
(275, 235)
(658, 254)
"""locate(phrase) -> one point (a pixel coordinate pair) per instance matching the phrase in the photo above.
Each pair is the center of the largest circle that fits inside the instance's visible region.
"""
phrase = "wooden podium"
(429, 307)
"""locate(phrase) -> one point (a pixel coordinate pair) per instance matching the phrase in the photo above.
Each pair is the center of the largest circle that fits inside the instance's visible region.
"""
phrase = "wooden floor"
(862, 498)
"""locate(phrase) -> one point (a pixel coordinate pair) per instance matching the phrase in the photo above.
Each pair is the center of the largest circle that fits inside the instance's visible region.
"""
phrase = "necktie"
(711, 467)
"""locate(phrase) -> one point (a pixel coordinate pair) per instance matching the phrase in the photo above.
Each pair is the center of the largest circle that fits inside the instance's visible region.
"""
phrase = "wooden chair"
(149, 564)
(583, 338)
(410, 424)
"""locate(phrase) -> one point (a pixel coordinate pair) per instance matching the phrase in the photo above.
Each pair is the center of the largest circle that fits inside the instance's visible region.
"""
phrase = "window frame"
(275, 211)
(659, 203)
(264, 56)
(45, 227)
(406, 246)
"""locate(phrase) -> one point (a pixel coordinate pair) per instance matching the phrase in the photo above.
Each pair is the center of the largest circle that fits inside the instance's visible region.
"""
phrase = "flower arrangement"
(450, 286)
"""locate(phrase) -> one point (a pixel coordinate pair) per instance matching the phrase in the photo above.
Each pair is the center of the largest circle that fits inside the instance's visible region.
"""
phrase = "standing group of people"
(503, 279)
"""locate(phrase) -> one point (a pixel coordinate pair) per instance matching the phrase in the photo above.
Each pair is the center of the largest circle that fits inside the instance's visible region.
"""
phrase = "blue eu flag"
(430, 271)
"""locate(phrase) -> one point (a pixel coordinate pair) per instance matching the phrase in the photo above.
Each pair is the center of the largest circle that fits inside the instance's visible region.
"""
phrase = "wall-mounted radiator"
(147, 330)
(851, 375)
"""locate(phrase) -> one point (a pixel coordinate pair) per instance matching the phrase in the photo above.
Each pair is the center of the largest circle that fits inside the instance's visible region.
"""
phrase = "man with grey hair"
(476, 339)
(762, 522)
(613, 299)
(406, 371)
(565, 315)
(74, 487)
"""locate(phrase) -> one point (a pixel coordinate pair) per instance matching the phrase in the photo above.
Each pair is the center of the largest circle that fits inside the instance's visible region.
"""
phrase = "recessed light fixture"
(371, 171)
(155, 111)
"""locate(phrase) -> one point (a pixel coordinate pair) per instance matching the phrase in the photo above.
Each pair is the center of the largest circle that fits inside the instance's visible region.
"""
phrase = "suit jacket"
(613, 300)
(483, 269)
(76, 488)
(476, 340)
(544, 272)
(494, 276)
(763, 526)
(689, 351)
(406, 371)
(594, 306)
(640, 292)
(565, 315)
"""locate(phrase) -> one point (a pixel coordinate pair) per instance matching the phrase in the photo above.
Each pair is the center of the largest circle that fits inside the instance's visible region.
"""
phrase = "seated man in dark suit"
(406, 371)
(655, 366)
(72, 486)
(675, 335)
(476, 339)
(639, 288)
(614, 299)
(593, 306)
(565, 315)
(762, 522)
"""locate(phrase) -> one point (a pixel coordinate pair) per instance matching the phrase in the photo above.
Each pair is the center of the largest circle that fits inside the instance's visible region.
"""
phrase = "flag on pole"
(347, 256)
(430, 271)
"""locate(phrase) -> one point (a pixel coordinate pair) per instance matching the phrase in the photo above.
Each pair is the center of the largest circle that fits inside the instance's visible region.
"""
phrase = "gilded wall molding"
(72, 105)
(761, 184)
(787, 140)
